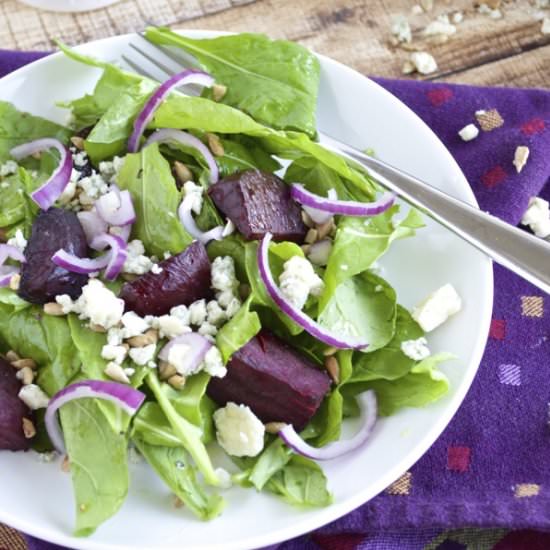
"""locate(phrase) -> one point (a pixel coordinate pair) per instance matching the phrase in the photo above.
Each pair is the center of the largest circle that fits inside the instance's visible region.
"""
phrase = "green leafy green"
(117, 99)
(244, 154)
(362, 307)
(192, 403)
(202, 114)
(389, 362)
(148, 177)
(10, 298)
(279, 253)
(17, 127)
(319, 179)
(88, 109)
(189, 434)
(275, 82)
(296, 479)
(18, 209)
(301, 483)
(151, 425)
(110, 134)
(98, 458)
(360, 242)
(156, 439)
(327, 422)
(421, 386)
(272, 459)
(238, 331)
(173, 466)
(46, 339)
(89, 345)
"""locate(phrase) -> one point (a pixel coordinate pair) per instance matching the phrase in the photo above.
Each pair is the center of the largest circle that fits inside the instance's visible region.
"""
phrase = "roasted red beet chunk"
(41, 279)
(258, 202)
(275, 381)
(184, 279)
(12, 410)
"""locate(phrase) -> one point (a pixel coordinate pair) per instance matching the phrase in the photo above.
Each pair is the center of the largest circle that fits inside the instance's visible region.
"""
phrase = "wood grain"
(510, 51)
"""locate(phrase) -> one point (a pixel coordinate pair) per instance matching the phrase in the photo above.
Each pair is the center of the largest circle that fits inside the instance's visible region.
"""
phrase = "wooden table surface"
(508, 51)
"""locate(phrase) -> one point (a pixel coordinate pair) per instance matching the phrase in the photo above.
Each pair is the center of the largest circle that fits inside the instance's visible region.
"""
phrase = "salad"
(181, 274)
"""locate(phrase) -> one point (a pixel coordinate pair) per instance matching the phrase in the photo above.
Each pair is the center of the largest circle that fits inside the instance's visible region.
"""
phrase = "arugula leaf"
(46, 339)
(148, 177)
(389, 362)
(296, 479)
(18, 127)
(89, 345)
(360, 242)
(98, 458)
(10, 298)
(362, 307)
(193, 404)
(18, 209)
(88, 109)
(272, 459)
(110, 134)
(301, 482)
(151, 426)
(327, 422)
(189, 434)
(238, 331)
(319, 179)
(421, 386)
(204, 115)
(275, 81)
(173, 467)
(279, 253)
(244, 154)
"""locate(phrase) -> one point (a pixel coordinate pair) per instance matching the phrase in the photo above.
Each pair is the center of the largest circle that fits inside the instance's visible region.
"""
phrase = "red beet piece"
(184, 279)
(259, 202)
(12, 410)
(41, 279)
(274, 380)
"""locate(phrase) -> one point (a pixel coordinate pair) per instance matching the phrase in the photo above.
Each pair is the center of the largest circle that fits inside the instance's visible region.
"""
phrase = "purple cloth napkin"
(491, 466)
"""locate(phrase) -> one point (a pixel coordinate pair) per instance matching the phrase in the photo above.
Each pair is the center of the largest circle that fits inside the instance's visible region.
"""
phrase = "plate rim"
(335, 511)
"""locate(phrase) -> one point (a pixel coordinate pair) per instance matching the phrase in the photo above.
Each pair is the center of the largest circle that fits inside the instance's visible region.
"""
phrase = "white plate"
(37, 498)
(71, 6)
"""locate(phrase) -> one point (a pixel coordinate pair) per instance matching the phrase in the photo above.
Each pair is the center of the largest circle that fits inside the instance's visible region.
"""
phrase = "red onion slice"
(189, 76)
(117, 254)
(112, 261)
(334, 206)
(73, 263)
(319, 216)
(52, 188)
(187, 220)
(199, 346)
(126, 397)
(92, 223)
(116, 207)
(124, 232)
(367, 402)
(6, 273)
(9, 251)
(298, 316)
(168, 134)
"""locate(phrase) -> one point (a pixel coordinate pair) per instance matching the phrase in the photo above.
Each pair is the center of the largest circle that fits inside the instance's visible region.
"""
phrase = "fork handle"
(524, 254)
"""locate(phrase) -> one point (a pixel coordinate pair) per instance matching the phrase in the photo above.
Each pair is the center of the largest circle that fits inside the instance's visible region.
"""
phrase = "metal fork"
(524, 254)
